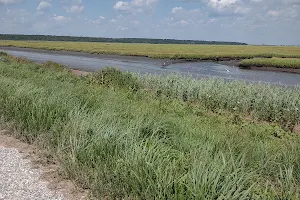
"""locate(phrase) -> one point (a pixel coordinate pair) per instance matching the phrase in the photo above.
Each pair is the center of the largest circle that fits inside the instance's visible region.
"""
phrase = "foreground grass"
(130, 143)
(272, 62)
(172, 51)
(260, 102)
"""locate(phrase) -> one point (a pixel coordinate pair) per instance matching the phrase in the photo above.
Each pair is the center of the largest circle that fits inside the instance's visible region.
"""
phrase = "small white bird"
(227, 70)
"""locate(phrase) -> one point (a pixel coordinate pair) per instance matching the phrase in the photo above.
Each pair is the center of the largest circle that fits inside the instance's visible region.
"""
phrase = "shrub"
(3, 53)
(20, 60)
(112, 77)
(53, 65)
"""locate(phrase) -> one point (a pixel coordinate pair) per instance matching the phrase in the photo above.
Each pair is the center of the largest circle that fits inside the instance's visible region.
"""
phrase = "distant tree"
(110, 40)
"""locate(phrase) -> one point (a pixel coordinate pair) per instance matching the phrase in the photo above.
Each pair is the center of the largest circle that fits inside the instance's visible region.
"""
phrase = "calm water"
(197, 69)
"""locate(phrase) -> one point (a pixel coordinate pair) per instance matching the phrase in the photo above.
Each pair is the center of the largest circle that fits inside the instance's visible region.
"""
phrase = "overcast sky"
(250, 21)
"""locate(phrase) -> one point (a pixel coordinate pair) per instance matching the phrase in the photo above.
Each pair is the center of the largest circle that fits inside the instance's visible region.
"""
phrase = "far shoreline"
(164, 62)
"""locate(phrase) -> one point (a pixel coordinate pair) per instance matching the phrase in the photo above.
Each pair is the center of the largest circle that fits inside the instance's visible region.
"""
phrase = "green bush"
(4, 57)
(3, 53)
(112, 77)
(54, 66)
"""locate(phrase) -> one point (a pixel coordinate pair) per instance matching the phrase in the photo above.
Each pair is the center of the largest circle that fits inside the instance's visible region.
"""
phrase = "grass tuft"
(3, 53)
(112, 77)
(54, 66)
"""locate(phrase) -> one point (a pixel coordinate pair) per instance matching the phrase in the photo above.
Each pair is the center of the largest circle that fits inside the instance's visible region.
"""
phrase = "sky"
(250, 21)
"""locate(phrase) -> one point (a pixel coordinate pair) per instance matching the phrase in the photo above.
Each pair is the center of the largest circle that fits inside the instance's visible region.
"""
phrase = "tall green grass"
(273, 62)
(260, 101)
(124, 143)
(170, 51)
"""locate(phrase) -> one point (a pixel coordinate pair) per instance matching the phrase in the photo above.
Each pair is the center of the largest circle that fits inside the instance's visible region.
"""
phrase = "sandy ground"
(25, 174)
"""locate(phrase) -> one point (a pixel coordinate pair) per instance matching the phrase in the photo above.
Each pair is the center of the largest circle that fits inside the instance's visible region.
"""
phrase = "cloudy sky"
(251, 21)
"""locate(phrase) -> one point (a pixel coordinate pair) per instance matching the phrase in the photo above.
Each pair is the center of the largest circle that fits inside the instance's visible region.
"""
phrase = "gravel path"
(18, 180)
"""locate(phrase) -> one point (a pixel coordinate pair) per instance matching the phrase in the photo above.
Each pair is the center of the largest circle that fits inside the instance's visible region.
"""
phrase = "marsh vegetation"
(143, 137)
(110, 40)
(292, 63)
(258, 56)
(171, 51)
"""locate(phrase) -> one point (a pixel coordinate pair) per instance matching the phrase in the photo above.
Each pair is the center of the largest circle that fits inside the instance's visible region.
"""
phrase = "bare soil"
(275, 69)
(80, 73)
(296, 129)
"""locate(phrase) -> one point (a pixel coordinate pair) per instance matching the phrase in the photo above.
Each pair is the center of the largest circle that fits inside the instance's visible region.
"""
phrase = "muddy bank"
(233, 63)
(163, 62)
(84, 54)
(273, 69)
(86, 62)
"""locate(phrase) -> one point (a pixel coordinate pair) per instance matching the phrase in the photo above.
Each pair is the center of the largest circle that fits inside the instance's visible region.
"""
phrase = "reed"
(143, 144)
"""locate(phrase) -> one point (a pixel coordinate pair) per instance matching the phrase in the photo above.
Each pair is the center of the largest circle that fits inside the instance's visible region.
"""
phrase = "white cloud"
(179, 14)
(134, 22)
(44, 5)
(134, 6)
(60, 18)
(10, 1)
(75, 7)
(143, 2)
(98, 21)
(219, 4)
(227, 7)
(273, 13)
(176, 9)
(183, 22)
(121, 5)
(122, 28)
(285, 13)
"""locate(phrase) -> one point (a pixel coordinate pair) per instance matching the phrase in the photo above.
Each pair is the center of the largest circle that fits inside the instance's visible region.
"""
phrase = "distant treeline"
(111, 40)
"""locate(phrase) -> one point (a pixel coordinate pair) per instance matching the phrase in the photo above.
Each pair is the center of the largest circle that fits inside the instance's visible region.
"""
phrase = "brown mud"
(273, 69)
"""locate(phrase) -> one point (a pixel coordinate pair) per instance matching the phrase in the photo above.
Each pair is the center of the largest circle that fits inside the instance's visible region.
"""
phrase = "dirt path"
(19, 180)
(23, 175)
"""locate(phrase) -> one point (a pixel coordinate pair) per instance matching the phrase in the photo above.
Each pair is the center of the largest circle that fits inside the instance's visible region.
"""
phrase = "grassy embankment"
(292, 63)
(175, 51)
(136, 137)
